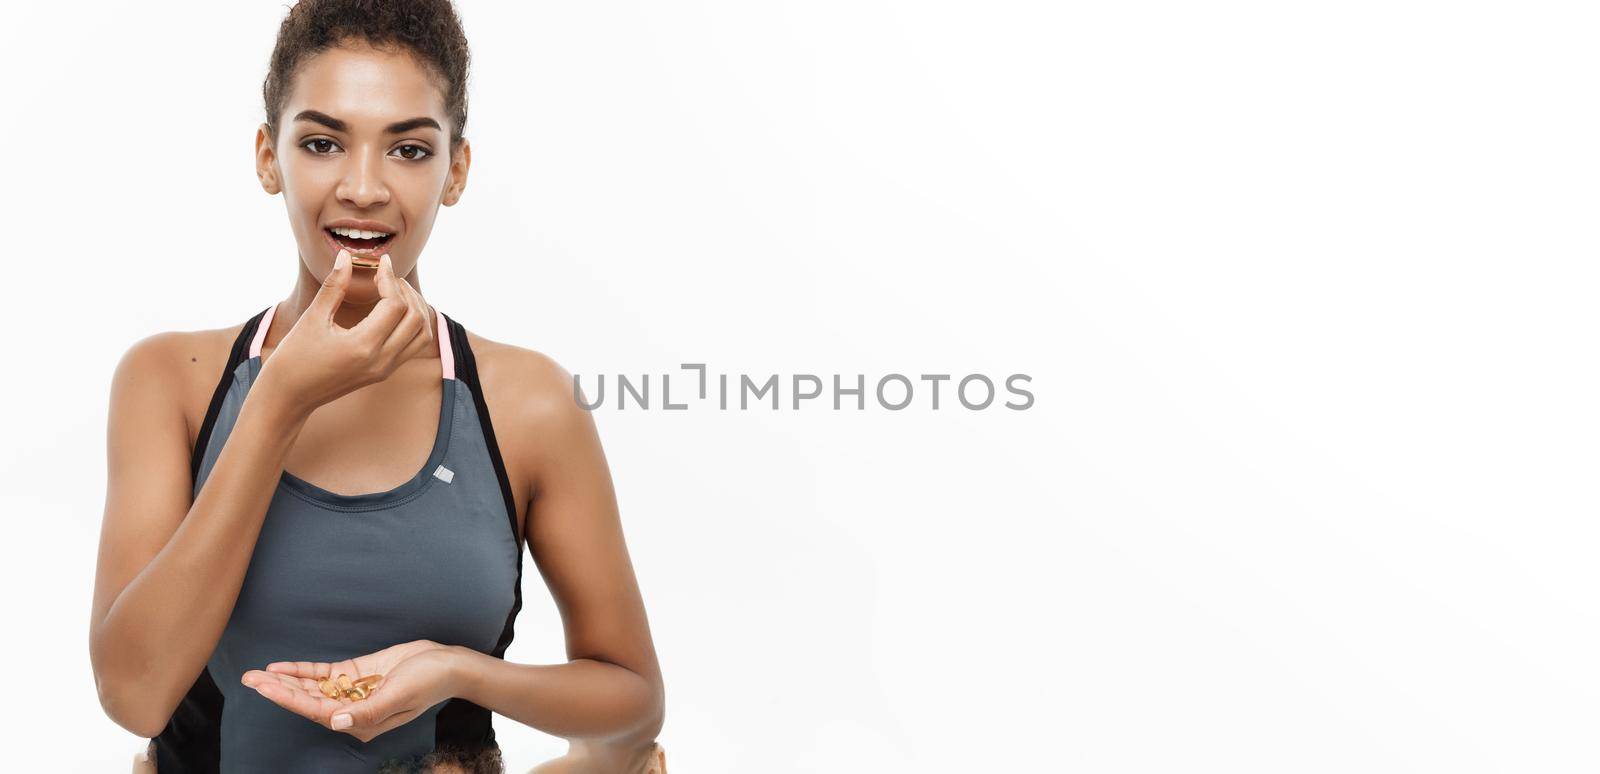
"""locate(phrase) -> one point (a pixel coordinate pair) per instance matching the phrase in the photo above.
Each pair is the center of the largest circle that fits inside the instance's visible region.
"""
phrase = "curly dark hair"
(429, 29)
(452, 759)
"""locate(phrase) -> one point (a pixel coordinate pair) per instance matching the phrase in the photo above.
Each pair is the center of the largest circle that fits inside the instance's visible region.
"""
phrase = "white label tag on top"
(444, 474)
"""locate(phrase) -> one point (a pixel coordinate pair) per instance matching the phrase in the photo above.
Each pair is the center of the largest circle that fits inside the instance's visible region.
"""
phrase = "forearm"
(156, 637)
(600, 706)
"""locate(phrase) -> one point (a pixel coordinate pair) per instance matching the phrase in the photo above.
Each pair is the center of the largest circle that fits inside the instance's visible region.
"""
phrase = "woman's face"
(363, 143)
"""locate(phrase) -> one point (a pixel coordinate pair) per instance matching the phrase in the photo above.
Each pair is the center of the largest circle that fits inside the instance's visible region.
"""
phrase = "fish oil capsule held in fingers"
(344, 682)
(368, 680)
(359, 691)
(328, 688)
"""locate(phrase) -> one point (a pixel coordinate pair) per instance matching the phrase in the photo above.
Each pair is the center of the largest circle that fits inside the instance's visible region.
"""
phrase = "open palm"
(410, 675)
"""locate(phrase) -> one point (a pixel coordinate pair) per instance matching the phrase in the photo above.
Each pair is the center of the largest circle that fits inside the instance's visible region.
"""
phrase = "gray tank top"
(335, 576)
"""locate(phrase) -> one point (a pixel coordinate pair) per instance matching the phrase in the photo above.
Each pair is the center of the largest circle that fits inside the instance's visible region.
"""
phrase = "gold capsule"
(342, 687)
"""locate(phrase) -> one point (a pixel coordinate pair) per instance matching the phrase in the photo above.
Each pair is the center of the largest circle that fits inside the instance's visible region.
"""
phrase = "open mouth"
(365, 246)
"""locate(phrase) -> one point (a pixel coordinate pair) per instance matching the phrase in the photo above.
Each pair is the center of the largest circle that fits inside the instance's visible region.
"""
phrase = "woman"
(343, 483)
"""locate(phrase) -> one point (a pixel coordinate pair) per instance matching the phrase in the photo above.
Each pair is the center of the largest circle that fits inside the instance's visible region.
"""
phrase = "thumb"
(342, 720)
(367, 712)
(333, 286)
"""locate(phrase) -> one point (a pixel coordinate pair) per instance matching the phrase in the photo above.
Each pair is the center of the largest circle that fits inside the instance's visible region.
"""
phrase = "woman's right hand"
(319, 361)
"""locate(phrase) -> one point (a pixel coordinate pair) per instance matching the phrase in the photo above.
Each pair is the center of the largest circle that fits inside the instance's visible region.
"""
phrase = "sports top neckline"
(407, 490)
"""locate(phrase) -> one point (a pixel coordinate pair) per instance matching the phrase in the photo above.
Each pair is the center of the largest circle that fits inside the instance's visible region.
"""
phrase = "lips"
(363, 252)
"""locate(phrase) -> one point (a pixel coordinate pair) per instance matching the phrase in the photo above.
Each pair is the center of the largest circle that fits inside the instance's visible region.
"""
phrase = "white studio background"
(1305, 290)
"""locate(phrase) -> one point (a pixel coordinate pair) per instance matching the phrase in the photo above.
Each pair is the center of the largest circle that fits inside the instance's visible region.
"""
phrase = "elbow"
(127, 703)
(125, 709)
(652, 713)
(630, 750)
(658, 716)
(647, 714)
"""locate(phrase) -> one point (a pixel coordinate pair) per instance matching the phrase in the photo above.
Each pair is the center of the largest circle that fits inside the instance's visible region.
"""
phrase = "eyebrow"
(398, 127)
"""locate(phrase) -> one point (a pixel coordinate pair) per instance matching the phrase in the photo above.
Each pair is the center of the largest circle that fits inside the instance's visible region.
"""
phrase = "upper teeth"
(356, 233)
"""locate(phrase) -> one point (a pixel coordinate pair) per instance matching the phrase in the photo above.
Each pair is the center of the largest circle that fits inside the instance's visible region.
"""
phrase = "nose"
(362, 185)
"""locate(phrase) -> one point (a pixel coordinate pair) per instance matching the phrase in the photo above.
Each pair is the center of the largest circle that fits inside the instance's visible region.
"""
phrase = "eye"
(418, 152)
(313, 145)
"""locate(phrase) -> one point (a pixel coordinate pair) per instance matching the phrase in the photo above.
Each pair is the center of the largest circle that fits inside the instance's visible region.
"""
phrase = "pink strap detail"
(261, 332)
(447, 356)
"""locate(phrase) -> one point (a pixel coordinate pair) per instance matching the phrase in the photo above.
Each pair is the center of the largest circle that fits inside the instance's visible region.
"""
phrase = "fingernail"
(245, 678)
(342, 259)
(341, 721)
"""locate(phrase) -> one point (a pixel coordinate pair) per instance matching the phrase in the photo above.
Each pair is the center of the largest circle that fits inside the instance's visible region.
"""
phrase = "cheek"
(419, 197)
(304, 180)
(304, 190)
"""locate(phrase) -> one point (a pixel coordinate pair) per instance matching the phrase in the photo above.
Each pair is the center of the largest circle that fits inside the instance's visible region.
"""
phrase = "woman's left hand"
(415, 676)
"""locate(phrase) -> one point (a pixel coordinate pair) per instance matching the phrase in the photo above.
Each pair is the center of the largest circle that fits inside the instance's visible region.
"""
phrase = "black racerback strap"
(462, 724)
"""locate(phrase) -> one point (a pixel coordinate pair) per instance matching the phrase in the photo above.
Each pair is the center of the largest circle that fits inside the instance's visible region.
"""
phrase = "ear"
(267, 162)
(456, 182)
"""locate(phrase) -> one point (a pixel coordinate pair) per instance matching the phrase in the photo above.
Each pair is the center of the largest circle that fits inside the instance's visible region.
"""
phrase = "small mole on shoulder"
(194, 360)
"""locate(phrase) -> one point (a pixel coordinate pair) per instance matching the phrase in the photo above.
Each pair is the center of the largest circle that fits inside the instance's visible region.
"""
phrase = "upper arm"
(148, 486)
(573, 528)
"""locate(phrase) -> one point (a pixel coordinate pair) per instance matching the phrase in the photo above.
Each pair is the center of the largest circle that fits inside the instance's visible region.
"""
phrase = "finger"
(389, 309)
(408, 338)
(288, 693)
(432, 323)
(331, 294)
(417, 347)
(309, 669)
(415, 296)
(314, 670)
(420, 346)
(385, 277)
(411, 327)
(388, 312)
(415, 302)
(346, 667)
(423, 309)
(426, 312)
(370, 714)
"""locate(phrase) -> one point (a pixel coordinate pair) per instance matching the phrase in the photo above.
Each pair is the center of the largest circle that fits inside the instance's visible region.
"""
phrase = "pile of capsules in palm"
(342, 687)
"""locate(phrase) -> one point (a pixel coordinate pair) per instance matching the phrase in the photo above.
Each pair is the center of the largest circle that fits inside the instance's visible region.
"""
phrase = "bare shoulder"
(161, 357)
(528, 384)
(180, 368)
(539, 425)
